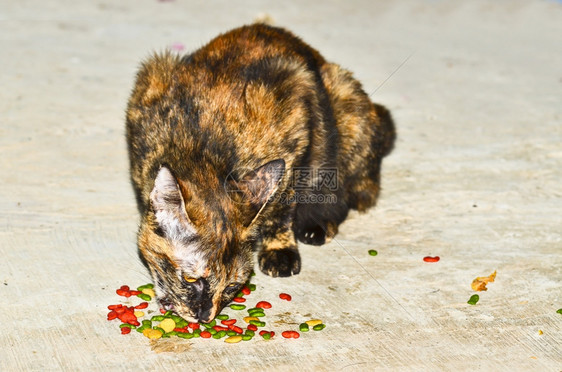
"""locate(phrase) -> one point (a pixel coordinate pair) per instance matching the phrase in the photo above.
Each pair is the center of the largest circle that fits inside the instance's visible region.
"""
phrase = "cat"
(252, 142)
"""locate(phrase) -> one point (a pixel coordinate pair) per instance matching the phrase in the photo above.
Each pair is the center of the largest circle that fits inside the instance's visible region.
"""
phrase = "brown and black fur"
(215, 139)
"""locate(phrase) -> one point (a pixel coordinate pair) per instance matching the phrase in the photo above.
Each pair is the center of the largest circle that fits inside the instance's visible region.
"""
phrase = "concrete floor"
(476, 91)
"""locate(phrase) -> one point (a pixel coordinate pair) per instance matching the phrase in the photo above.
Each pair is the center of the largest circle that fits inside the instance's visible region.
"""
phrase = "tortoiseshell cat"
(251, 142)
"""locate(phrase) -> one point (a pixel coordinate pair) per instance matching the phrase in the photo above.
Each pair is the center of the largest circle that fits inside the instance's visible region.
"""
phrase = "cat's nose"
(204, 315)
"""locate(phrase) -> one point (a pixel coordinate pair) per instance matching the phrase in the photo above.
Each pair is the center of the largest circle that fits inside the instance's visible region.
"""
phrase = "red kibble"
(111, 315)
(285, 296)
(113, 307)
(142, 305)
(193, 325)
(235, 329)
(228, 322)
(263, 333)
(252, 327)
(218, 328)
(291, 334)
(162, 311)
(431, 259)
(125, 330)
(272, 333)
(181, 330)
(125, 288)
(134, 293)
(264, 305)
(246, 290)
(239, 299)
(205, 334)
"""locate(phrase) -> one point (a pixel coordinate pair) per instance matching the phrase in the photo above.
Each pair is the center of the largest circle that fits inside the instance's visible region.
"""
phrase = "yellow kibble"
(540, 332)
(313, 322)
(167, 325)
(233, 339)
(247, 319)
(149, 291)
(153, 334)
(139, 314)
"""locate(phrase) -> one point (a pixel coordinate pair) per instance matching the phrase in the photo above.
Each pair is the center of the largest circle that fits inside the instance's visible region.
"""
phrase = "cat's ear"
(169, 207)
(259, 185)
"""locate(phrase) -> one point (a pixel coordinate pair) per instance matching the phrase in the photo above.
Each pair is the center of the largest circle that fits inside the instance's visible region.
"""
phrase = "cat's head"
(198, 239)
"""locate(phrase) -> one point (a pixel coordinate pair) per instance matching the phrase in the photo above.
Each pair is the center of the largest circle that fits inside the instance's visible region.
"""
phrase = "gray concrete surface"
(475, 178)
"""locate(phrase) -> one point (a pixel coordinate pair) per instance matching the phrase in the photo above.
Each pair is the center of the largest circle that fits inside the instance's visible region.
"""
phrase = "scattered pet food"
(166, 324)
(479, 284)
(431, 259)
(372, 252)
(473, 299)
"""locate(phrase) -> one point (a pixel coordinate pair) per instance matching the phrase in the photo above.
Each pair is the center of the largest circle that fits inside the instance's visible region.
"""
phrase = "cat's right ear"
(169, 207)
(258, 186)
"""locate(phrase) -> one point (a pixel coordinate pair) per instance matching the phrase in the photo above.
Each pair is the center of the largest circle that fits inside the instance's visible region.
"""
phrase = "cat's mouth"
(166, 303)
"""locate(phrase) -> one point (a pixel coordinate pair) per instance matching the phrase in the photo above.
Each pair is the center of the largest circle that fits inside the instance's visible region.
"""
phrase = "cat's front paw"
(280, 262)
(314, 235)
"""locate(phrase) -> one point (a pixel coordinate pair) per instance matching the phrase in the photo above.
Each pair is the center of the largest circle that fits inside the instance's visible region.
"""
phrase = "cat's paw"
(280, 262)
(314, 235)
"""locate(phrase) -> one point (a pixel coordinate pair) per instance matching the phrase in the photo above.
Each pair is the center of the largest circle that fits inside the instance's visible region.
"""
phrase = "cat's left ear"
(169, 207)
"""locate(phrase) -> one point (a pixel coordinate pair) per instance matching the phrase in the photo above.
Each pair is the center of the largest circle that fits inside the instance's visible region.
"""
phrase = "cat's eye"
(189, 279)
(232, 285)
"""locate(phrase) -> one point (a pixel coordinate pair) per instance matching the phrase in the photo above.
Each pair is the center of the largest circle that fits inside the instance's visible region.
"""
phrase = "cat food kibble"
(372, 252)
(237, 307)
(167, 325)
(431, 259)
(153, 334)
(233, 339)
(290, 334)
(285, 296)
(473, 299)
(264, 305)
(313, 322)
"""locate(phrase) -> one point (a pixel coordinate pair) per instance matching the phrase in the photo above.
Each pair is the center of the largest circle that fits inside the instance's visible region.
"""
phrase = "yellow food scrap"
(233, 339)
(167, 325)
(540, 332)
(153, 334)
(247, 319)
(313, 322)
(479, 284)
(149, 291)
(139, 314)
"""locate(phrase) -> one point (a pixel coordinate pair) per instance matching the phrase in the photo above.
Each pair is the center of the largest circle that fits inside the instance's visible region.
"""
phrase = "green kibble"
(250, 333)
(172, 333)
(166, 335)
(252, 287)
(126, 325)
(158, 318)
(182, 323)
(146, 286)
(240, 294)
(559, 311)
(219, 334)
(231, 333)
(266, 336)
(257, 314)
(372, 252)
(473, 299)
(212, 331)
(168, 314)
(197, 332)
(147, 323)
(237, 307)
(142, 328)
(253, 274)
(246, 337)
(319, 327)
(144, 296)
(222, 317)
(303, 327)
(185, 335)
(257, 323)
